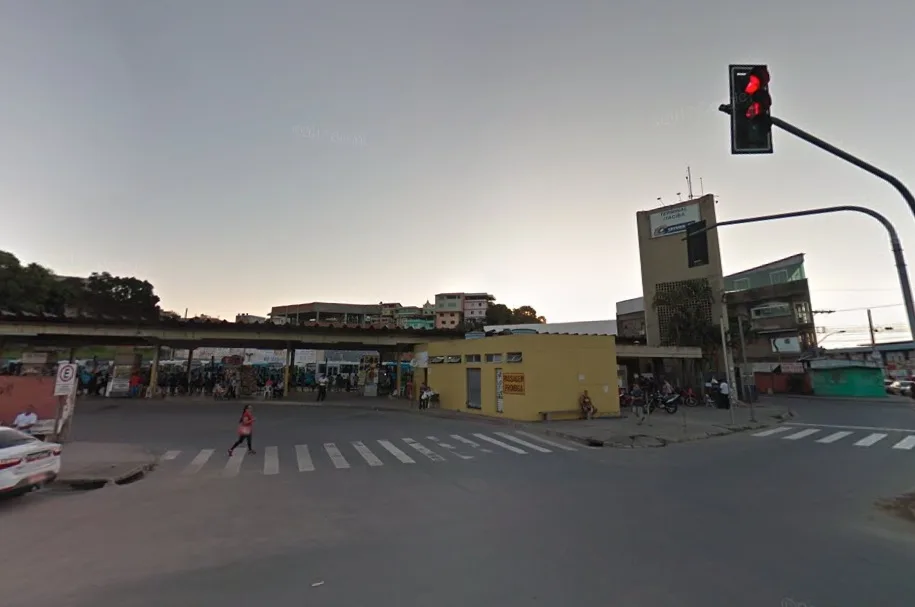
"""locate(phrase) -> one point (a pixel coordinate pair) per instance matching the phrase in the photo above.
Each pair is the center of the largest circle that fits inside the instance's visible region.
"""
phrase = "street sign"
(65, 384)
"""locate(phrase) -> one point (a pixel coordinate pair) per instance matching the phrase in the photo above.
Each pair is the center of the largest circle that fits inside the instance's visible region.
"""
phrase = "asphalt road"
(745, 520)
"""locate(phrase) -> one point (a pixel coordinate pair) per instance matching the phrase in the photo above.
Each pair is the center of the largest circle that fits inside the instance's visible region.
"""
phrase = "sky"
(241, 155)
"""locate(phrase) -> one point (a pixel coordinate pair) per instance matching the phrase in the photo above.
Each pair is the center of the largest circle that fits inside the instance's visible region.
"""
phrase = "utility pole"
(870, 328)
(743, 355)
(724, 353)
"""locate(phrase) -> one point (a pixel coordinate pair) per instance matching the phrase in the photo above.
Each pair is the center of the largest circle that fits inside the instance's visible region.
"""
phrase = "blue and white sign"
(673, 220)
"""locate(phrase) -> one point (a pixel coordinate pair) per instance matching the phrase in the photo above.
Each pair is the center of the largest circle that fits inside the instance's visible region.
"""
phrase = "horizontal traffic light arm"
(828, 147)
(895, 244)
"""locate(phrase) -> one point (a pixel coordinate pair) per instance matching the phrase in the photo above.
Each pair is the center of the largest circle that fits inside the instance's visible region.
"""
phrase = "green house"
(861, 379)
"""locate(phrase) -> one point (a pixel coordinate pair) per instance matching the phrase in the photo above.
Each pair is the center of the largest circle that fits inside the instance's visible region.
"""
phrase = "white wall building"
(587, 327)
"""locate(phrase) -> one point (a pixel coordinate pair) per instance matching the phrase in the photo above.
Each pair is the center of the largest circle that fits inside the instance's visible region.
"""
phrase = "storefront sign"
(500, 386)
(673, 221)
(792, 367)
(513, 383)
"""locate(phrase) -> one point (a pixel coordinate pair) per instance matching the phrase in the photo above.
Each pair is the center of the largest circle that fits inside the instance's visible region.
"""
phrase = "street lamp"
(828, 335)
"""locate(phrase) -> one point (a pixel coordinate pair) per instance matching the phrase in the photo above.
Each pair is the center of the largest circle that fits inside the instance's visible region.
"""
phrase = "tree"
(36, 289)
(500, 314)
(687, 309)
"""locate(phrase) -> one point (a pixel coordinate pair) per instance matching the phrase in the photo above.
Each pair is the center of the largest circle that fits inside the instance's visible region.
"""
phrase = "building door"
(474, 391)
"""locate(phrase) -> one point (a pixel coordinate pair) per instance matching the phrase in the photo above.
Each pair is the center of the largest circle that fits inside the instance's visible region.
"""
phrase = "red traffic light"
(753, 85)
(754, 110)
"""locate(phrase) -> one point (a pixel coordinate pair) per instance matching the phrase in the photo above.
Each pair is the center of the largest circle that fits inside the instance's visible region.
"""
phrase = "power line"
(899, 305)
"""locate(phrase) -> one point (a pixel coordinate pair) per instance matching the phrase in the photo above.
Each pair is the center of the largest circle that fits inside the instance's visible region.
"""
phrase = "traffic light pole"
(895, 244)
(828, 147)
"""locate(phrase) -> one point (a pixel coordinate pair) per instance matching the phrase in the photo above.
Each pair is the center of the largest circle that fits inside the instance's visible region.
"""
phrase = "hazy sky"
(243, 154)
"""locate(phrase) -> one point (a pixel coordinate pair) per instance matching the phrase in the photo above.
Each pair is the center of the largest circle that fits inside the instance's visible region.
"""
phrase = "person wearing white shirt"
(725, 391)
(26, 420)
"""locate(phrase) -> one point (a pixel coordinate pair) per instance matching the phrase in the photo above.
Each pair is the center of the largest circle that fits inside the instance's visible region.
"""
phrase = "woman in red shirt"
(245, 430)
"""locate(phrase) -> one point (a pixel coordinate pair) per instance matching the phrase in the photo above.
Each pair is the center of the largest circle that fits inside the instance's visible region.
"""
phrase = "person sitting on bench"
(587, 407)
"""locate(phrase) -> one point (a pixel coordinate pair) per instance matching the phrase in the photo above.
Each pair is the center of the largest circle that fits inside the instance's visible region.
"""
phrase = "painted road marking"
(271, 460)
(170, 455)
(473, 444)
(772, 431)
(523, 443)
(435, 457)
(870, 439)
(335, 456)
(199, 462)
(451, 448)
(370, 458)
(907, 443)
(233, 466)
(499, 443)
(834, 437)
(540, 439)
(837, 427)
(390, 448)
(303, 459)
(801, 434)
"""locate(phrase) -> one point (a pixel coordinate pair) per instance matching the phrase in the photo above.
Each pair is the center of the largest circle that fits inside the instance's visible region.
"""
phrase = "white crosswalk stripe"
(233, 466)
(499, 443)
(303, 459)
(473, 444)
(435, 449)
(199, 461)
(435, 457)
(801, 434)
(370, 458)
(907, 443)
(859, 436)
(335, 456)
(772, 431)
(523, 443)
(871, 439)
(551, 443)
(400, 455)
(271, 460)
(450, 447)
(835, 436)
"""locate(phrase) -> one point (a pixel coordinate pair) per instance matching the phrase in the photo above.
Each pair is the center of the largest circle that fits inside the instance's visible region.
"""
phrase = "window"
(453, 358)
(436, 360)
(802, 312)
(472, 358)
(741, 284)
(770, 310)
(513, 357)
(493, 358)
(778, 277)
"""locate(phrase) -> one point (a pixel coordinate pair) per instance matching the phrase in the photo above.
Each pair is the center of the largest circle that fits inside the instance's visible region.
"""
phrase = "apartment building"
(455, 309)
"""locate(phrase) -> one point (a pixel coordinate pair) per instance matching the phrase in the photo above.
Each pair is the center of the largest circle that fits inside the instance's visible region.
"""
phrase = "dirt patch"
(902, 507)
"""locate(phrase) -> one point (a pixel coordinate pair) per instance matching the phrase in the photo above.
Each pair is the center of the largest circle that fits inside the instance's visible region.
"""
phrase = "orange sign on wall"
(17, 393)
(513, 383)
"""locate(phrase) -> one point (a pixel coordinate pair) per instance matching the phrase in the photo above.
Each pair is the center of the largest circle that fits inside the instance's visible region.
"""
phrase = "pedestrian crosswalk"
(303, 458)
(858, 436)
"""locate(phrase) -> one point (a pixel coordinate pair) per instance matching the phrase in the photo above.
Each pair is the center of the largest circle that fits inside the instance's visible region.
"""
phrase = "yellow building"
(522, 376)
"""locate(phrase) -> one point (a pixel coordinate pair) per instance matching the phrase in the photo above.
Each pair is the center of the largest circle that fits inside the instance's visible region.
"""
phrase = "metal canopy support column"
(154, 373)
(190, 360)
(397, 357)
(290, 359)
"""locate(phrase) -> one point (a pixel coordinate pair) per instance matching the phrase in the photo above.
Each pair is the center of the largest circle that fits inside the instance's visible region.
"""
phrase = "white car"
(26, 462)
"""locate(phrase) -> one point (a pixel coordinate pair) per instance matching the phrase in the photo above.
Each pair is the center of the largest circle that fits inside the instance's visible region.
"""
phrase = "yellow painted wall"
(556, 368)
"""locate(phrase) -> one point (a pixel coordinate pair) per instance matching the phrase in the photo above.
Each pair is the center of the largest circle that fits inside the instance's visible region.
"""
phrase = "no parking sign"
(65, 384)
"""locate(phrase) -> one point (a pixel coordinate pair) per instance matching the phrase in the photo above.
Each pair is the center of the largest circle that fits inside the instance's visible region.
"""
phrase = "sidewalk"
(661, 429)
(91, 465)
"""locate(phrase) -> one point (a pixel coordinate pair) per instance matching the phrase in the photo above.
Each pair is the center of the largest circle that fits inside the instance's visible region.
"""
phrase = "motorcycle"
(669, 403)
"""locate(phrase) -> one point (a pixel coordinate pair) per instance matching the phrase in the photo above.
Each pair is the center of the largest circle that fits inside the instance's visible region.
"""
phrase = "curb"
(88, 483)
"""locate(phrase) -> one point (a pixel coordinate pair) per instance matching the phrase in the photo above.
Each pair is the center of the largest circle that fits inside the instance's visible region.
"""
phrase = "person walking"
(245, 430)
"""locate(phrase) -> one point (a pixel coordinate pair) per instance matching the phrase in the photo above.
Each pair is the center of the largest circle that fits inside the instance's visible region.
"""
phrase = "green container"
(859, 382)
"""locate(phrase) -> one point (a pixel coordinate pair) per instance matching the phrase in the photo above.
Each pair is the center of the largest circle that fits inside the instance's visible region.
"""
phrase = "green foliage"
(36, 289)
(500, 314)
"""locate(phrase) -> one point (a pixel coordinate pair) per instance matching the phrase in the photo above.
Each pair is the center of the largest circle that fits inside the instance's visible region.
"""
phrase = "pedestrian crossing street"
(272, 460)
(857, 436)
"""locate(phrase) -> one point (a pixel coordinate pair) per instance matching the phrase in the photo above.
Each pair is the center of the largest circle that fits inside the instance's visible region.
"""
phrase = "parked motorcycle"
(668, 403)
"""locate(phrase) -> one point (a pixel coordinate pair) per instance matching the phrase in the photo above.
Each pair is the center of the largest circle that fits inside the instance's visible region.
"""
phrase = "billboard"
(673, 220)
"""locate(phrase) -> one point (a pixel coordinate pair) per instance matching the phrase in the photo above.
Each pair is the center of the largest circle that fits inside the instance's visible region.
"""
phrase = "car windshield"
(13, 438)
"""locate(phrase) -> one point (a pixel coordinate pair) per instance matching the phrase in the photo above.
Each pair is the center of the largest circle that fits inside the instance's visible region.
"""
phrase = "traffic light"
(696, 244)
(751, 129)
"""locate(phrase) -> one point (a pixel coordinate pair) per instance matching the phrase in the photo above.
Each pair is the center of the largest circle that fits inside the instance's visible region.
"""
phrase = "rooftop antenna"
(689, 183)
(660, 204)
(701, 188)
(679, 196)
